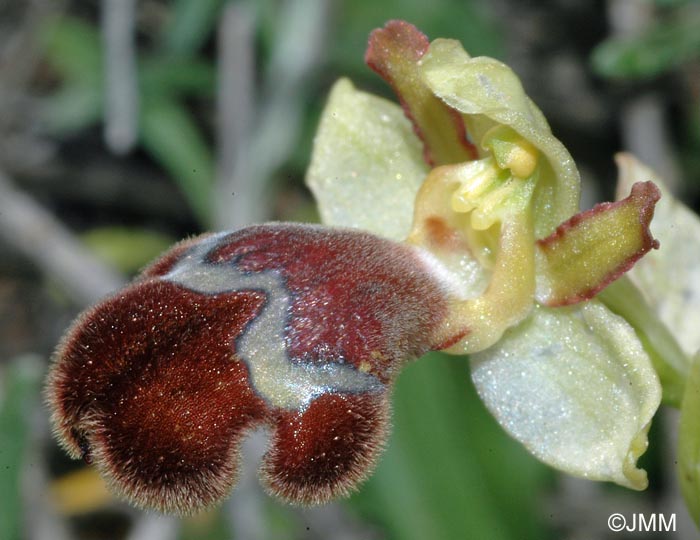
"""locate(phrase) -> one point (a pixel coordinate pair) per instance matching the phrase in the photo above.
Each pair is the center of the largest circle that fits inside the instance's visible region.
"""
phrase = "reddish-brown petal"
(592, 249)
(358, 297)
(324, 452)
(271, 324)
(147, 384)
(393, 52)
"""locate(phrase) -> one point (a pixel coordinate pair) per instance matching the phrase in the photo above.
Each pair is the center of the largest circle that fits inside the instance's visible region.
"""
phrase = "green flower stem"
(670, 362)
(689, 442)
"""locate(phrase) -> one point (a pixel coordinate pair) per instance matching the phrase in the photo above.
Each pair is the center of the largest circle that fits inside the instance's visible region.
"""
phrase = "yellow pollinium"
(512, 151)
(519, 156)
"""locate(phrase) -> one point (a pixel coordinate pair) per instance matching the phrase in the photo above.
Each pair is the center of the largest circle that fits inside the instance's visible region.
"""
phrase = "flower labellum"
(470, 245)
(299, 328)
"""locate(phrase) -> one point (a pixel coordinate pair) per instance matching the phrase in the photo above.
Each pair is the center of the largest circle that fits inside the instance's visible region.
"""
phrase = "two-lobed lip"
(159, 383)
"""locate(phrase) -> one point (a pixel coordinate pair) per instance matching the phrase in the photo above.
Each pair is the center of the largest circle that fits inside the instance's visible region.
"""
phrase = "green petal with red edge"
(366, 165)
(669, 279)
(575, 386)
(488, 93)
(593, 248)
(394, 52)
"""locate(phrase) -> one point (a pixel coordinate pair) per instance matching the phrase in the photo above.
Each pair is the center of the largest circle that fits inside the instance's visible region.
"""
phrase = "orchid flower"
(453, 226)
(470, 173)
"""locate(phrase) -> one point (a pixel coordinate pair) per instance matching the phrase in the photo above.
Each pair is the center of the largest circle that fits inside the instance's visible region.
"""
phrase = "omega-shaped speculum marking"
(298, 328)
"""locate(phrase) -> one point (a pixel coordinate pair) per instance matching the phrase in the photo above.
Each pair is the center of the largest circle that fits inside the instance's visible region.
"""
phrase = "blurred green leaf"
(170, 135)
(126, 249)
(450, 471)
(690, 146)
(74, 51)
(282, 521)
(168, 131)
(469, 22)
(19, 394)
(190, 24)
(177, 77)
(209, 526)
(662, 48)
(72, 108)
(674, 3)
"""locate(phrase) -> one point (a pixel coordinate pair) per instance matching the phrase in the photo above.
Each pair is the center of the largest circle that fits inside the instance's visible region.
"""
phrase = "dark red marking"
(443, 237)
(355, 296)
(462, 134)
(456, 338)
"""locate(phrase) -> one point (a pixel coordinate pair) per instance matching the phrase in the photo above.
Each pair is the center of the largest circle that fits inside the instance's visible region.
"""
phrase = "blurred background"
(126, 125)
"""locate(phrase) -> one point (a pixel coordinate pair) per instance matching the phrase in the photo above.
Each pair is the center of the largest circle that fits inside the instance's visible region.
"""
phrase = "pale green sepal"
(575, 386)
(669, 278)
(367, 164)
(668, 358)
(689, 442)
(484, 87)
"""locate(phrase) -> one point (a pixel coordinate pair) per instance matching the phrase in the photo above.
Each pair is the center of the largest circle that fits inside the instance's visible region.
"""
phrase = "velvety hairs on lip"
(300, 328)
